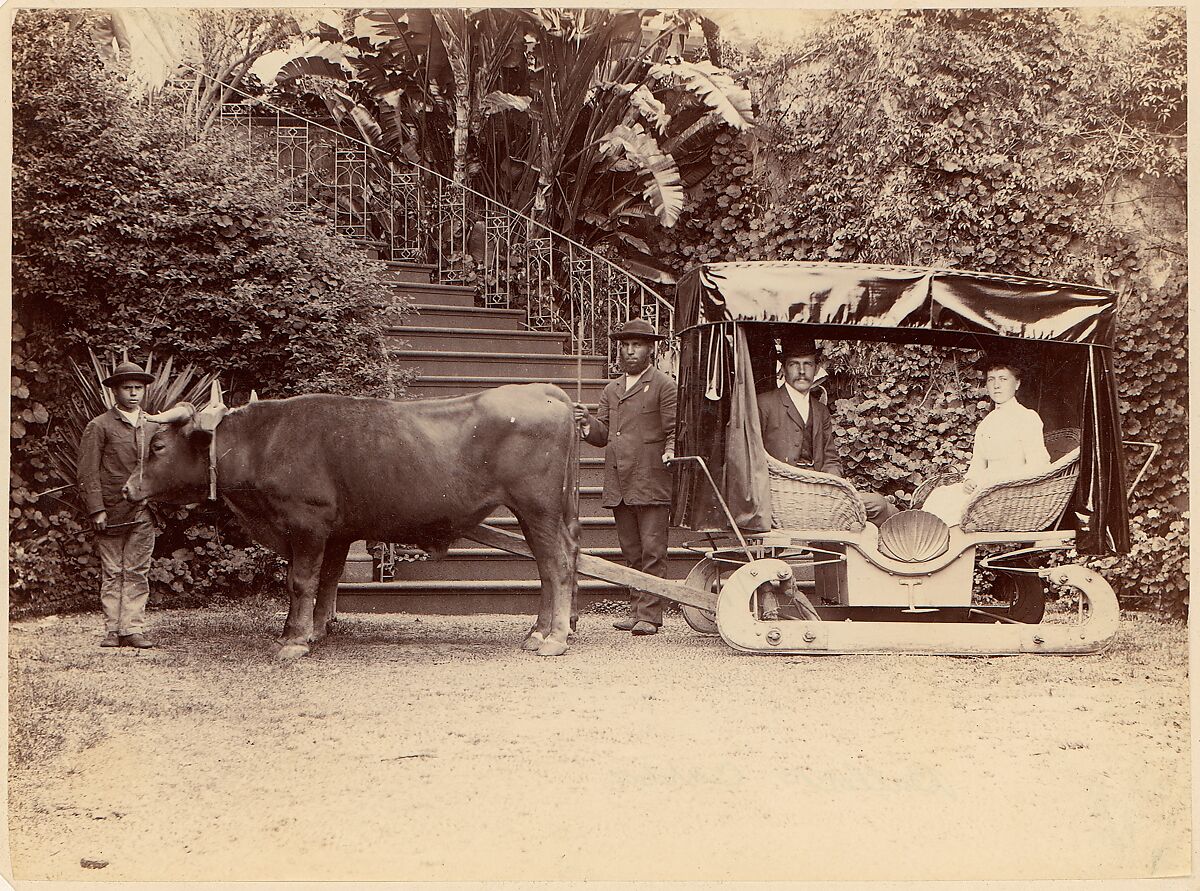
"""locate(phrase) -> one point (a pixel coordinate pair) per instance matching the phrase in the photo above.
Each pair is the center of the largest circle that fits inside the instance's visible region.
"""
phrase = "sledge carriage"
(801, 570)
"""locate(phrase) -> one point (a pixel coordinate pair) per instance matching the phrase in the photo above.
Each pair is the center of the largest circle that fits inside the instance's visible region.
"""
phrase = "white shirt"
(1009, 444)
(130, 416)
(631, 381)
(800, 400)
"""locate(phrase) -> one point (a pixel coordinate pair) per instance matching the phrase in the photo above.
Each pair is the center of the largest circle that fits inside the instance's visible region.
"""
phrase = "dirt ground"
(431, 748)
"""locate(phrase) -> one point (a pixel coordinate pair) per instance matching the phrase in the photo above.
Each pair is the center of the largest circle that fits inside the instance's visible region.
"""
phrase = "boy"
(112, 449)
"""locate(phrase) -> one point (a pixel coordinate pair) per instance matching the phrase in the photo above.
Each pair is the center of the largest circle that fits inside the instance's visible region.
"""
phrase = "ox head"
(176, 468)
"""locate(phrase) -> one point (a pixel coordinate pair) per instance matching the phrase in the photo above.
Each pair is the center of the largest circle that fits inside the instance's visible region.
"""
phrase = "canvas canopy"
(729, 315)
(928, 305)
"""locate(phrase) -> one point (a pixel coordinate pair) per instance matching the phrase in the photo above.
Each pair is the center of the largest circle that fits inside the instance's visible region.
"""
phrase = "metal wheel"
(705, 575)
(1025, 593)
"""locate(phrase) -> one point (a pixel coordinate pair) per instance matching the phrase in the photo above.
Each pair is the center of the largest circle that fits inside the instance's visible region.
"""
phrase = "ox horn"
(254, 395)
(215, 399)
(210, 416)
(181, 411)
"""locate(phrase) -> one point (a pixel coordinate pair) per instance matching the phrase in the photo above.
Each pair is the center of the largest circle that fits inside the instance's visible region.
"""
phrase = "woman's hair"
(1002, 363)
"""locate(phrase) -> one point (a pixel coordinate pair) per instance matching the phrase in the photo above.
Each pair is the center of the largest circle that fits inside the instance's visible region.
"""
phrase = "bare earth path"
(431, 748)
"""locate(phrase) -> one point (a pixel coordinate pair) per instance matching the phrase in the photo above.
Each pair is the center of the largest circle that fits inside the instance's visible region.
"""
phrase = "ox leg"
(332, 565)
(304, 573)
(556, 549)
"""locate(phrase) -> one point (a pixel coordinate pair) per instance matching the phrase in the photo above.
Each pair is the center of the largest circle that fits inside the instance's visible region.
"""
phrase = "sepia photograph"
(612, 445)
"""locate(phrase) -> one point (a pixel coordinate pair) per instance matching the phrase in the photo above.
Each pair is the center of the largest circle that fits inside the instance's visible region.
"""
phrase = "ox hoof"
(552, 647)
(291, 652)
(533, 641)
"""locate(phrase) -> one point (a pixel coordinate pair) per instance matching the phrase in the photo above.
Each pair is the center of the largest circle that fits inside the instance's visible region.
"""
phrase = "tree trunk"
(452, 23)
(712, 36)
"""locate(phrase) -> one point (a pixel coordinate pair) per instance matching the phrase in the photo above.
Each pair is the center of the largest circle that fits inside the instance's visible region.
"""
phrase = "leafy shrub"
(132, 232)
(1155, 572)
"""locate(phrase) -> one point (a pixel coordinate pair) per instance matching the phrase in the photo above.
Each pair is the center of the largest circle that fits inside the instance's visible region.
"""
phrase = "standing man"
(635, 424)
(798, 430)
(113, 448)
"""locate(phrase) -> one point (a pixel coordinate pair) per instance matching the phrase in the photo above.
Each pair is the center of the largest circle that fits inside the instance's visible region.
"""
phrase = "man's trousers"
(642, 531)
(124, 583)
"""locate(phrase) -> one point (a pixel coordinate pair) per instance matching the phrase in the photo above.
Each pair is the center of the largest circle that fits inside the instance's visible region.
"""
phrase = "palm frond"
(154, 42)
(713, 86)
(497, 101)
(663, 188)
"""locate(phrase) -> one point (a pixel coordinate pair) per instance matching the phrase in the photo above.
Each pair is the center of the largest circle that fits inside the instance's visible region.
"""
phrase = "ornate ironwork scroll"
(407, 217)
(350, 200)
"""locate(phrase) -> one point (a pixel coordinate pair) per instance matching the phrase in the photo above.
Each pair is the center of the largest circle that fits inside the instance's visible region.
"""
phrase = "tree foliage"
(1031, 142)
(587, 120)
(132, 232)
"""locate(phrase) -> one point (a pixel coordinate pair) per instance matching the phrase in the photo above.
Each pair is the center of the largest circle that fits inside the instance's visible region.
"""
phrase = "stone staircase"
(458, 347)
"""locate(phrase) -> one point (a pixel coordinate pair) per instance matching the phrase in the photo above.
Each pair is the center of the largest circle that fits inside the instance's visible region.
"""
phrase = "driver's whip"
(579, 360)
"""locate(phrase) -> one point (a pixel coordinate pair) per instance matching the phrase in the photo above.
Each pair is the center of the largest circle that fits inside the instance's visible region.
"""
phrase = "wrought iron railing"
(415, 214)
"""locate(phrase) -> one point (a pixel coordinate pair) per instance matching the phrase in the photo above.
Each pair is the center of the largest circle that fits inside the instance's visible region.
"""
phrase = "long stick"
(579, 360)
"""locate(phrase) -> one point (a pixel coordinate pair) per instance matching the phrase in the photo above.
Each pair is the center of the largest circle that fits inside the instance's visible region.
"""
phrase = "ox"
(309, 475)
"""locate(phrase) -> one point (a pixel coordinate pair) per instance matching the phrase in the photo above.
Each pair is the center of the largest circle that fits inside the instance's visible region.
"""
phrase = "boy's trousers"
(124, 587)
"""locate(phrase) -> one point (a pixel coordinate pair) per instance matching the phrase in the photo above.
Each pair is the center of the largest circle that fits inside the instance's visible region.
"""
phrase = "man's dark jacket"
(782, 430)
(635, 428)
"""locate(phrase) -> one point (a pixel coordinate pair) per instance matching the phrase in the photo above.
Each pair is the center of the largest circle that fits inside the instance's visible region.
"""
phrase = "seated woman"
(1008, 445)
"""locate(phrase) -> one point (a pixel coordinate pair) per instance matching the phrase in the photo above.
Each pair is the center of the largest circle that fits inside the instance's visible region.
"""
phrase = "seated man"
(799, 431)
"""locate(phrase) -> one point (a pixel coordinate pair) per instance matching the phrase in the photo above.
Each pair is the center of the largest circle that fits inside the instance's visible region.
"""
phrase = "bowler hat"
(128, 371)
(637, 328)
(798, 345)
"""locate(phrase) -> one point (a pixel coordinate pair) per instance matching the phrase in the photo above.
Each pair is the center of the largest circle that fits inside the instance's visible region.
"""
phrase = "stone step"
(591, 466)
(461, 385)
(435, 294)
(442, 363)
(432, 315)
(480, 340)
(397, 271)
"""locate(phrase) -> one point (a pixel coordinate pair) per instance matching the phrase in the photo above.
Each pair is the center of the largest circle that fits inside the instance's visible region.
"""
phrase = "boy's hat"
(798, 345)
(128, 371)
(637, 329)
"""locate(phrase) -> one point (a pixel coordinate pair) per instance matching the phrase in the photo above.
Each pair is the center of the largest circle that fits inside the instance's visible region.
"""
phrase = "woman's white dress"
(1009, 445)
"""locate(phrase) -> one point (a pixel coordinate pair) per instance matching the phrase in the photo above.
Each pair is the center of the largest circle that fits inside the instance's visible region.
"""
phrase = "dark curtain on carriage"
(718, 420)
(1100, 512)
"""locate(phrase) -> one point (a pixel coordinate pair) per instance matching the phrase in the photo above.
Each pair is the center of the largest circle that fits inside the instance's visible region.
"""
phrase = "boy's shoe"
(625, 624)
(135, 640)
(642, 628)
(111, 640)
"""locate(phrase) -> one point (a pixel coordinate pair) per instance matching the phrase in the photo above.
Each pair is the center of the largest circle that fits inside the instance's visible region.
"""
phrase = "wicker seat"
(949, 478)
(1060, 442)
(1027, 505)
(809, 499)
(1023, 505)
